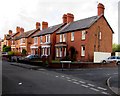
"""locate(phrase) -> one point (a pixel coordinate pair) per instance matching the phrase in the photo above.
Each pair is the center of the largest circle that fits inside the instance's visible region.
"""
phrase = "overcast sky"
(25, 13)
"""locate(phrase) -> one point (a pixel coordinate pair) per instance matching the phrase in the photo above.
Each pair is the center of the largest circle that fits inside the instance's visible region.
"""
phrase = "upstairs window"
(48, 38)
(64, 37)
(22, 40)
(60, 37)
(35, 40)
(72, 36)
(40, 39)
(100, 35)
(83, 35)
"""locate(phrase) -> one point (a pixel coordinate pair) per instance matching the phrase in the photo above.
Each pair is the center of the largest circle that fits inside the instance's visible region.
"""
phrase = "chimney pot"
(101, 9)
(44, 25)
(70, 17)
(37, 25)
(10, 32)
(17, 29)
(21, 30)
(64, 18)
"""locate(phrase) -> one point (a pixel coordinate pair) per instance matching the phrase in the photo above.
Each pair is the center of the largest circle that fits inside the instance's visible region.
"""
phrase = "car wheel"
(103, 61)
(117, 63)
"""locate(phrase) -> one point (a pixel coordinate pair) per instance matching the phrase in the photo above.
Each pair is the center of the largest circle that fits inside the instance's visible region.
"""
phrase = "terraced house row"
(76, 39)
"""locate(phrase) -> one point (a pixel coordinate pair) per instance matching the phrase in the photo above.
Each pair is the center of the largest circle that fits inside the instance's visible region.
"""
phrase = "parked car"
(112, 58)
(32, 57)
(4, 53)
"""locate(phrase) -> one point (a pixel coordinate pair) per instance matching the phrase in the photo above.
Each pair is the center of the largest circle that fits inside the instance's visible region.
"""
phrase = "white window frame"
(83, 35)
(57, 55)
(65, 52)
(43, 51)
(21, 41)
(82, 50)
(47, 38)
(60, 52)
(72, 36)
(100, 35)
(35, 40)
(60, 37)
(64, 37)
(41, 40)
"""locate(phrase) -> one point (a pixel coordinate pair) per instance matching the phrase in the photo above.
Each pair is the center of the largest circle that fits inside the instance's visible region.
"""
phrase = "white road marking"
(56, 76)
(82, 82)
(20, 83)
(74, 79)
(84, 85)
(62, 76)
(104, 92)
(68, 77)
(69, 80)
(101, 88)
(94, 89)
(76, 82)
(91, 85)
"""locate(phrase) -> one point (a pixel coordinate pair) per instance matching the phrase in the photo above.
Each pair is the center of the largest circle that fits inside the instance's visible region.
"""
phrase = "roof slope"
(79, 24)
(49, 30)
(26, 34)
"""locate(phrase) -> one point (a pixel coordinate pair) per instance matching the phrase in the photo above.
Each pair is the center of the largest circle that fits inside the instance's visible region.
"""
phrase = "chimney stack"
(44, 25)
(37, 25)
(70, 17)
(18, 29)
(21, 30)
(101, 9)
(64, 18)
(10, 32)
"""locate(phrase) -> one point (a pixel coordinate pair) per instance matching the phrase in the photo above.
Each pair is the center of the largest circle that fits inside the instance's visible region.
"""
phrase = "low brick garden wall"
(82, 65)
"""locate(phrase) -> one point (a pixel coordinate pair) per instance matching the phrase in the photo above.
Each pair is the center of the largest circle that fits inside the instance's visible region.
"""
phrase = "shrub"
(10, 53)
(6, 48)
(24, 52)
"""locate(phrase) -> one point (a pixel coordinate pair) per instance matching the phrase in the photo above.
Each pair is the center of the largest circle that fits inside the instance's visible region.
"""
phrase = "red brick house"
(7, 38)
(47, 39)
(25, 40)
(80, 39)
(35, 47)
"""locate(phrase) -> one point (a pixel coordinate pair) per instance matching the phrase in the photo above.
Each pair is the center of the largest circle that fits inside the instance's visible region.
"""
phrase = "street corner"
(112, 83)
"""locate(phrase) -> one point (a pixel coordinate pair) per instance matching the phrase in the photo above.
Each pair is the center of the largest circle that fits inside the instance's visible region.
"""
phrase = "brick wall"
(91, 40)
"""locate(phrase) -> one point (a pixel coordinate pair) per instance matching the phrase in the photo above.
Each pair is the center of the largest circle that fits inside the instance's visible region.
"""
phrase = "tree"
(3, 48)
(6, 48)
(116, 48)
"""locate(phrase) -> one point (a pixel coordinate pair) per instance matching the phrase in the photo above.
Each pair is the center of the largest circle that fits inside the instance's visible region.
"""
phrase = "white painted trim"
(45, 46)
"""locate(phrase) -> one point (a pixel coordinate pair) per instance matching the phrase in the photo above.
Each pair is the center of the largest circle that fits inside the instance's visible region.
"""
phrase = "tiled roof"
(26, 34)
(79, 24)
(49, 30)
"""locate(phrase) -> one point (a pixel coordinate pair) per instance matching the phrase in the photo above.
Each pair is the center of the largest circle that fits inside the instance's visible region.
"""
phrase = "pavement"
(27, 66)
(113, 84)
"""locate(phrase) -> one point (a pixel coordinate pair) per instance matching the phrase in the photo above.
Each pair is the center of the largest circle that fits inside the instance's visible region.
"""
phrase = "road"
(17, 80)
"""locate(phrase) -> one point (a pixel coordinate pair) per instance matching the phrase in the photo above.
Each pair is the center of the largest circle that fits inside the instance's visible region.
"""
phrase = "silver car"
(112, 58)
